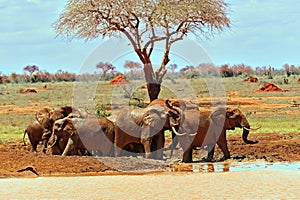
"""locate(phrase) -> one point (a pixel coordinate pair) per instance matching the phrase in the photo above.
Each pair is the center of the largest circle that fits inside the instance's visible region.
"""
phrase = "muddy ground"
(16, 158)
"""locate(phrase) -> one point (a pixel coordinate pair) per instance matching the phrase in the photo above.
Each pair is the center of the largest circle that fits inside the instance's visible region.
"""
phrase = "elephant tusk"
(49, 147)
(252, 129)
(174, 130)
(193, 134)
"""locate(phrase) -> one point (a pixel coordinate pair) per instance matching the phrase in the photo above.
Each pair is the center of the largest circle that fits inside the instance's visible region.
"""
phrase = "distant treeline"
(32, 73)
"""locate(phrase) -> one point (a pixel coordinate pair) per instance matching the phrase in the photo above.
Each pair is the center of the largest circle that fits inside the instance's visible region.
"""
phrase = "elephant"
(34, 130)
(184, 105)
(145, 126)
(37, 127)
(72, 136)
(40, 128)
(205, 129)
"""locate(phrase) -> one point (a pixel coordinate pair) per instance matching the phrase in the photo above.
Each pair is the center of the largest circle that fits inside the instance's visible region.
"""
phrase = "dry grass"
(273, 110)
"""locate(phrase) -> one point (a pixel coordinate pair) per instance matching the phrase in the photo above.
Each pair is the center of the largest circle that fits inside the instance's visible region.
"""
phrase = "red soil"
(120, 79)
(270, 87)
(29, 91)
(251, 80)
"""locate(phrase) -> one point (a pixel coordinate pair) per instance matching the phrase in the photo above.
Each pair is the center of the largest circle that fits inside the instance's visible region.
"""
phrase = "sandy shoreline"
(254, 184)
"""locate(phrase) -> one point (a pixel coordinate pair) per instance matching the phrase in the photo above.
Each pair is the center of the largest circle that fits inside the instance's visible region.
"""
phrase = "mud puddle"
(233, 167)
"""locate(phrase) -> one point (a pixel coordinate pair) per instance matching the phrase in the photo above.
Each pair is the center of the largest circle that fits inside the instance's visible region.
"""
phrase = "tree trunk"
(154, 79)
(153, 86)
(153, 90)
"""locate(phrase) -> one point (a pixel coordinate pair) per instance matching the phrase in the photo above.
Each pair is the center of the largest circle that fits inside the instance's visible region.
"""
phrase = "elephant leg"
(112, 150)
(45, 138)
(174, 141)
(222, 143)
(211, 151)
(118, 150)
(160, 143)
(34, 145)
(70, 145)
(106, 147)
(55, 146)
(32, 141)
(55, 150)
(188, 155)
(147, 146)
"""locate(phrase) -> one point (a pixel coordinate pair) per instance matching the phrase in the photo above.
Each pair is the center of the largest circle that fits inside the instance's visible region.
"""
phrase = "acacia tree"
(144, 23)
(132, 65)
(105, 67)
(31, 69)
(173, 67)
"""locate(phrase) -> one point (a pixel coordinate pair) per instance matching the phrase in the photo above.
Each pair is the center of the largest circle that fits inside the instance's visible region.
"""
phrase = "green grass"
(8, 138)
(271, 126)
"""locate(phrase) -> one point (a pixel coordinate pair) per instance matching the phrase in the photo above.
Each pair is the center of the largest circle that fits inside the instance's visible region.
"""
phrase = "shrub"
(101, 111)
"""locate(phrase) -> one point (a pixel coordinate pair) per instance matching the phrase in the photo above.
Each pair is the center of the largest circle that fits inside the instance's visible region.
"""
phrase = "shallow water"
(266, 166)
(235, 167)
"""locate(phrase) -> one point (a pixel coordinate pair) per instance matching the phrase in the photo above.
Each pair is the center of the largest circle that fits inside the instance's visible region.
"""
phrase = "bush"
(101, 111)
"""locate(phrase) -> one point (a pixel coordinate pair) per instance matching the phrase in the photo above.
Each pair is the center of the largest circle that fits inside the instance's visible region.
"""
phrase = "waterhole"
(233, 167)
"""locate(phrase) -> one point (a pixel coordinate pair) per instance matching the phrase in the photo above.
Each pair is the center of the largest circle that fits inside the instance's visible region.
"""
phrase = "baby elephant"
(34, 131)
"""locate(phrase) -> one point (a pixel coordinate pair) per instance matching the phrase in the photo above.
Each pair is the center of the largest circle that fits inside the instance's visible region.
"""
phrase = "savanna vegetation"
(274, 111)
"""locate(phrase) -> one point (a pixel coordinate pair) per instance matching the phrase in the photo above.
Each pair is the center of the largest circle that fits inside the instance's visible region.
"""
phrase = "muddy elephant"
(145, 126)
(40, 128)
(205, 129)
(72, 136)
(34, 130)
(183, 105)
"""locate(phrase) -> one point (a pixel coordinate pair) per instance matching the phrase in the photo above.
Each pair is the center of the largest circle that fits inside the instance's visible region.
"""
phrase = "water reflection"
(210, 167)
(233, 167)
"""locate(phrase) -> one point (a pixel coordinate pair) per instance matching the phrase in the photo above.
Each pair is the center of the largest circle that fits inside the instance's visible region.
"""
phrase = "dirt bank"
(272, 147)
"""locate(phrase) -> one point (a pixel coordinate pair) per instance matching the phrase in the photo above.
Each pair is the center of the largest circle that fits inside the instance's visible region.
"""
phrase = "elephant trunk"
(246, 130)
(178, 115)
(245, 135)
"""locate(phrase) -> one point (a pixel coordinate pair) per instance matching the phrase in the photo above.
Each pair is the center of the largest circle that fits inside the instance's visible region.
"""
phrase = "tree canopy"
(143, 23)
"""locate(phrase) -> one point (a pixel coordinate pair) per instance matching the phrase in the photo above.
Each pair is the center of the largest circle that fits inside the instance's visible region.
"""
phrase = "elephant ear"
(56, 114)
(155, 117)
(218, 121)
(43, 114)
(218, 115)
(233, 118)
(177, 103)
(232, 113)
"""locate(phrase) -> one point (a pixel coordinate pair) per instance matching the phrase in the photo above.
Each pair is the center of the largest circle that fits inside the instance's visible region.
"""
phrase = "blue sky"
(263, 33)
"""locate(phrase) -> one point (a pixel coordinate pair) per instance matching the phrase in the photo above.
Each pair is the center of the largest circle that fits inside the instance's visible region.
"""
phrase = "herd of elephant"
(73, 131)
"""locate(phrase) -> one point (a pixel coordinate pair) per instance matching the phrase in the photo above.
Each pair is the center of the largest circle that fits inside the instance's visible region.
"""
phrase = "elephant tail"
(24, 143)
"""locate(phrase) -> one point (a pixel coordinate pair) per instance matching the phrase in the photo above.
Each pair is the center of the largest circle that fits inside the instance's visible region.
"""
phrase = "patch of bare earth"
(272, 147)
